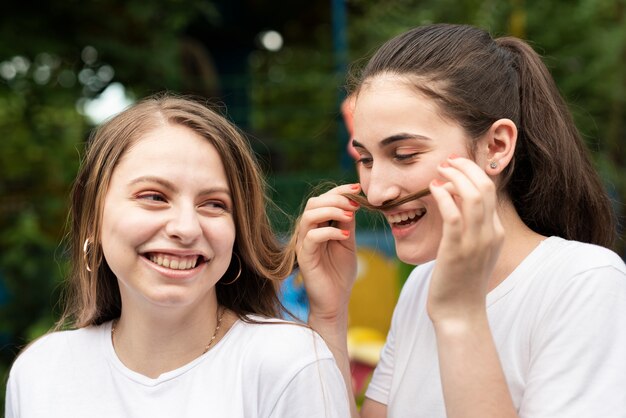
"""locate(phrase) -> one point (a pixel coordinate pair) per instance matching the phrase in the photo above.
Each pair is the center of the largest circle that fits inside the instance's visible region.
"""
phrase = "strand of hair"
(362, 200)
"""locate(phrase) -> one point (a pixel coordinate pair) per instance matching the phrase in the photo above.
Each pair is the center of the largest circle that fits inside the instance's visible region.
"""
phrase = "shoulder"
(283, 339)
(54, 350)
(578, 285)
(579, 256)
(272, 352)
(289, 365)
(568, 263)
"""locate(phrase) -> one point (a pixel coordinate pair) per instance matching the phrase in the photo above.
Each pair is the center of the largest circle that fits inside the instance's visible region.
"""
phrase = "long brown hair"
(93, 297)
(477, 80)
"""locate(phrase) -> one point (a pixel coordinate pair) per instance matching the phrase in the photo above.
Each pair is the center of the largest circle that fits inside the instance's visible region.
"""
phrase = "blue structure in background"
(4, 294)
(294, 298)
(4, 298)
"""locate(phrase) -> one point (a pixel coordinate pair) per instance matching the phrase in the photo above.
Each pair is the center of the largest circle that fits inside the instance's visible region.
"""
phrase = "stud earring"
(493, 164)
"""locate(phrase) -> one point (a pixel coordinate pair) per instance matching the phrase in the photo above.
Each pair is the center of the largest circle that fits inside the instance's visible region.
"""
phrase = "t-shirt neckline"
(117, 364)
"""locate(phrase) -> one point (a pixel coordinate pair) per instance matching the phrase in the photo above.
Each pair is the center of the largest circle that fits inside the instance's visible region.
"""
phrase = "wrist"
(460, 324)
(331, 321)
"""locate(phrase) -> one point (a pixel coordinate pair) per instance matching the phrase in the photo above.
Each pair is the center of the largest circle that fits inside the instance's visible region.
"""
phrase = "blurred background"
(277, 68)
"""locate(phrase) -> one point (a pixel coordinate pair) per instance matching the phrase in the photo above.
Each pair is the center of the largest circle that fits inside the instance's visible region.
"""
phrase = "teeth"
(174, 262)
(399, 217)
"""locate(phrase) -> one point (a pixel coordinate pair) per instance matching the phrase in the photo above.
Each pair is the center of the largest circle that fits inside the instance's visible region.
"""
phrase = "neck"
(155, 344)
(519, 242)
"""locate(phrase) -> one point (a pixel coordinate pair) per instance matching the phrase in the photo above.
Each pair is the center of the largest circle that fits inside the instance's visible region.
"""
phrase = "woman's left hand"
(471, 241)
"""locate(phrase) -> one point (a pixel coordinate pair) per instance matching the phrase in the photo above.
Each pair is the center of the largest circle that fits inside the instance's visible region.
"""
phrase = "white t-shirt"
(559, 325)
(256, 370)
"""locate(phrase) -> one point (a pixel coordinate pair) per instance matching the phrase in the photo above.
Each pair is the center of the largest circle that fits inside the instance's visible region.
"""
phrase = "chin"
(413, 256)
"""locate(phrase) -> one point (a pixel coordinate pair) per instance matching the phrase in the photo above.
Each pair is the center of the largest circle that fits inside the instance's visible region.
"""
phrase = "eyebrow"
(393, 138)
(171, 187)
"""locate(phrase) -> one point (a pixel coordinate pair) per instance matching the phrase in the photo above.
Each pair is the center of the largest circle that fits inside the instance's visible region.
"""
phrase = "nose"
(381, 187)
(184, 224)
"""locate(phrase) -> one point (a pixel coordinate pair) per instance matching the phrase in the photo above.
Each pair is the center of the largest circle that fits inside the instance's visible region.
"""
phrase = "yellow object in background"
(375, 292)
(365, 344)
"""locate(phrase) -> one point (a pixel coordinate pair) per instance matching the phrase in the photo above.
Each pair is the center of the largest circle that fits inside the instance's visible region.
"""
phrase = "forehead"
(393, 94)
(175, 152)
(389, 105)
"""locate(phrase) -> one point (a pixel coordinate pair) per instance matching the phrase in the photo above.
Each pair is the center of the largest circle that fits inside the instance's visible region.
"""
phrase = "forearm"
(471, 374)
(334, 332)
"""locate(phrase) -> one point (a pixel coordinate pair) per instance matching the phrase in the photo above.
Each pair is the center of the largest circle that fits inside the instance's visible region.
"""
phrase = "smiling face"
(167, 224)
(401, 138)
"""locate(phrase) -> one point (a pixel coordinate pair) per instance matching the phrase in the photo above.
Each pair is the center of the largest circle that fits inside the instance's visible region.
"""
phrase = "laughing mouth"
(405, 218)
(175, 262)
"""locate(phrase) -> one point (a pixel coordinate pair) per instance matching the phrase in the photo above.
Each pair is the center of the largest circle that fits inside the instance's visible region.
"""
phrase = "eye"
(406, 157)
(152, 197)
(215, 206)
(365, 161)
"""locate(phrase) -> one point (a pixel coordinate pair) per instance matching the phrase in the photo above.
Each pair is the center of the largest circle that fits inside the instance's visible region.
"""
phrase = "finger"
(315, 238)
(324, 216)
(480, 179)
(318, 219)
(334, 197)
(471, 200)
(450, 213)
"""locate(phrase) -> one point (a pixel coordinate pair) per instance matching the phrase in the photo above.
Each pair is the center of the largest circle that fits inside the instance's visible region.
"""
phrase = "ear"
(498, 146)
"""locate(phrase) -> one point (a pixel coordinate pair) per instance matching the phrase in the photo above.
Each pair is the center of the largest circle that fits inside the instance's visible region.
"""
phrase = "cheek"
(221, 233)
(128, 227)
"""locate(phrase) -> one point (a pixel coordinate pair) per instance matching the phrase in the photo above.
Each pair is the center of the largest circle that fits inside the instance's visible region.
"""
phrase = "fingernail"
(345, 232)
(453, 156)
(353, 203)
(348, 213)
(437, 182)
(356, 186)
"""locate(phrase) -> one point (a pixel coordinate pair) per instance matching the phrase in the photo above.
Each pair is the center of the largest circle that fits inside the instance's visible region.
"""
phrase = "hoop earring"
(86, 254)
(238, 273)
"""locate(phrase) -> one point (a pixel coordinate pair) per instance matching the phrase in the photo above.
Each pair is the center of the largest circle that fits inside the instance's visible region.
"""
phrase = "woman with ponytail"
(517, 306)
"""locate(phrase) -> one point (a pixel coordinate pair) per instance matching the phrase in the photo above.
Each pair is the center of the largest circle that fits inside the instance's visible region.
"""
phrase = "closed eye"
(405, 157)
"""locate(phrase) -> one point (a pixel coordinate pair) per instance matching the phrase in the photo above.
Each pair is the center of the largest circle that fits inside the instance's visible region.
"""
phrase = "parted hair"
(93, 297)
(476, 80)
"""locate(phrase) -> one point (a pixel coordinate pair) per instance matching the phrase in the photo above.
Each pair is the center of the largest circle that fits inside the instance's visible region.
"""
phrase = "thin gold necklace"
(206, 348)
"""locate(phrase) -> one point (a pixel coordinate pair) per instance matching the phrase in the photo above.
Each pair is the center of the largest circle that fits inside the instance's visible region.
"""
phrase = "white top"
(256, 370)
(559, 325)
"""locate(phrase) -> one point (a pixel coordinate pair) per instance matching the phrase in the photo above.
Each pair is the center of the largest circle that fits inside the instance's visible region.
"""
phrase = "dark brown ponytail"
(553, 183)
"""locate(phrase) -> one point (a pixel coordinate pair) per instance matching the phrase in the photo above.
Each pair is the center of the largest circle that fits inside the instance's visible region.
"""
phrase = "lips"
(176, 262)
(406, 217)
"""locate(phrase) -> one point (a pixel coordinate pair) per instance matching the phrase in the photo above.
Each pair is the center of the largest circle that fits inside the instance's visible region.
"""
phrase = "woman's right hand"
(326, 251)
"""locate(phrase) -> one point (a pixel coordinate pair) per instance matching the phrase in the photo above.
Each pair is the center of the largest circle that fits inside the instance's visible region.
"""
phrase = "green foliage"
(33, 189)
(294, 95)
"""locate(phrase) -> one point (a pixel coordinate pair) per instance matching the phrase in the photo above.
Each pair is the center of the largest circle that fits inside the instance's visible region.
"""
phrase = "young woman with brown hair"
(517, 306)
(173, 299)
